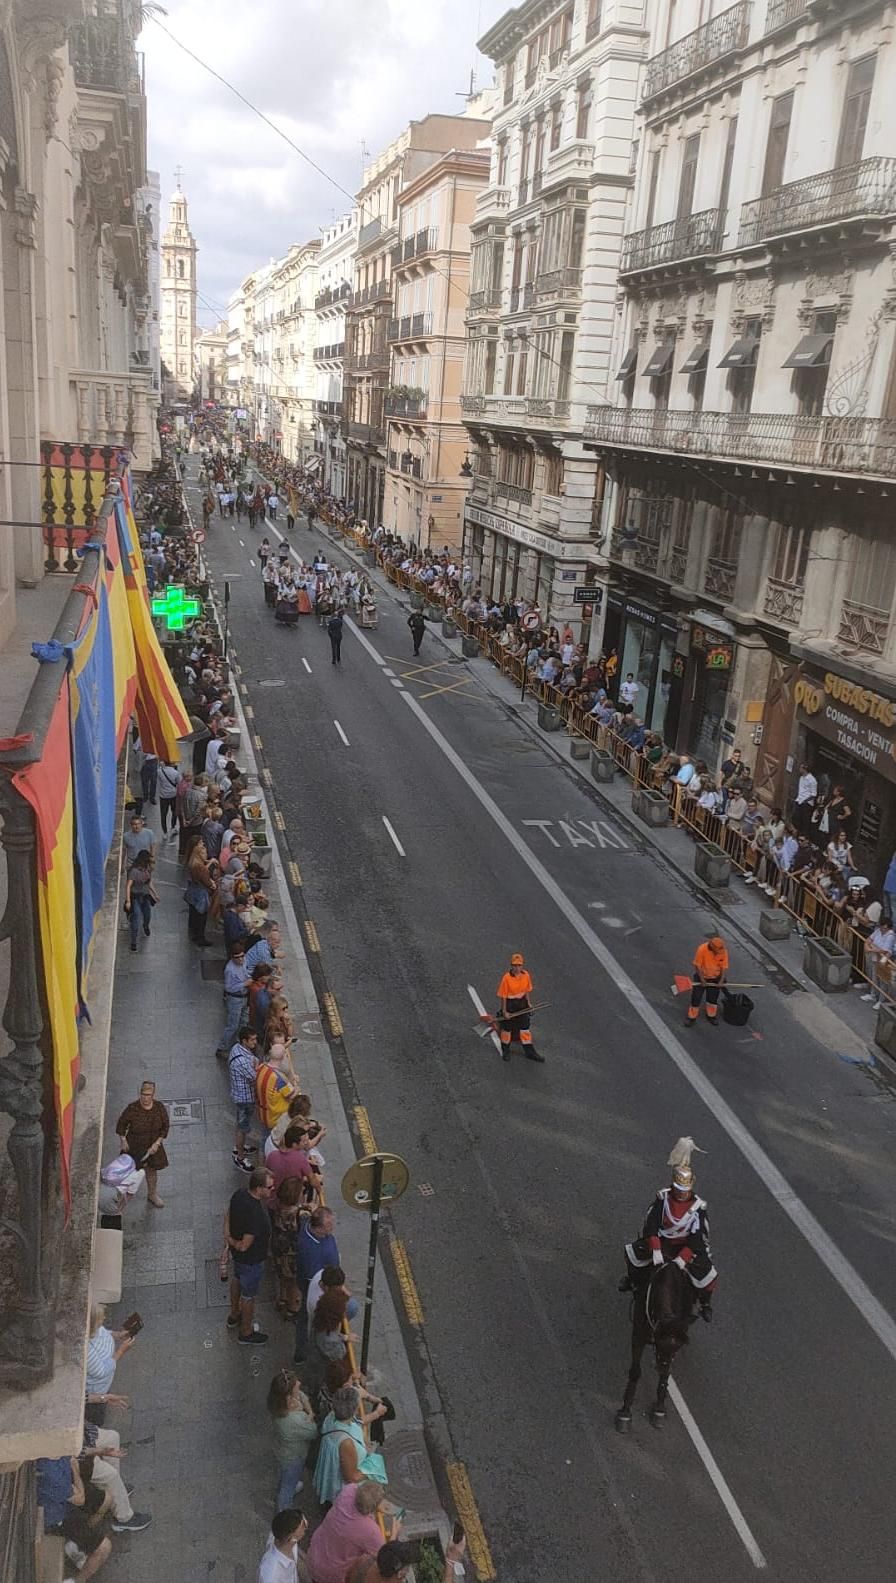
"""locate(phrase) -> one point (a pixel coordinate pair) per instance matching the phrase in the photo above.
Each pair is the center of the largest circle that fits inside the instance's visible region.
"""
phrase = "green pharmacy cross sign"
(176, 606)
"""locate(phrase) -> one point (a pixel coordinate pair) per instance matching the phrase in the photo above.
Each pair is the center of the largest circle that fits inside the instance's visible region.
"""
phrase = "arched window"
(180, 268)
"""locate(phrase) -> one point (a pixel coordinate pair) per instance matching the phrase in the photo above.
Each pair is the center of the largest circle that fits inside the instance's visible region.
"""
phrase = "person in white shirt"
(686, 771)
(273, 503)
(804, 801)
(629, 690)
(879, 952)
(283, 1561)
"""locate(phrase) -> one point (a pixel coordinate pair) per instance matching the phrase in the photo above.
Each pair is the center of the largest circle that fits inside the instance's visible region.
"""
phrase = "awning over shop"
(696, 361)
(629, 363)
(313, 463)
(813, 351)
(742, 354)
(661, 361)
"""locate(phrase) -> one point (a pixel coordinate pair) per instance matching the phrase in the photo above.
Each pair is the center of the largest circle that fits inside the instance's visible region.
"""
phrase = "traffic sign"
(359, 1180)
(198, 535)
(589, 595)
(531, 620)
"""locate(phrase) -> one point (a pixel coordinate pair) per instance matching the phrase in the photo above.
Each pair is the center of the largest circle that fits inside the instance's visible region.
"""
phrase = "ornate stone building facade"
(750, 441)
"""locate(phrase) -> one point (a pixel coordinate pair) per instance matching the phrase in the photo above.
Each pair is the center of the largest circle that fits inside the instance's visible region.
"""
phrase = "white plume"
(681, 1154)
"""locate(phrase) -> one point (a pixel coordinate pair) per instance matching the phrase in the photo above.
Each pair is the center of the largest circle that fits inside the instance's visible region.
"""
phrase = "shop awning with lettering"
(661, 361)
(742, 354)
(696, 361)
(813, 351)
(629, 363)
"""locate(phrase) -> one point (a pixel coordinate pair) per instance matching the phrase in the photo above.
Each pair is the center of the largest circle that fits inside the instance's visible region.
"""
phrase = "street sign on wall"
(588, 596)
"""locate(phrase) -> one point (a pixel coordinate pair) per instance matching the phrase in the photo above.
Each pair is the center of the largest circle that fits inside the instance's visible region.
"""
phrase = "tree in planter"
(431, 1566)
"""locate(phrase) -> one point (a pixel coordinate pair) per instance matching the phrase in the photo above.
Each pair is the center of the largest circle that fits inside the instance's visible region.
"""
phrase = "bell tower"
(178, 294)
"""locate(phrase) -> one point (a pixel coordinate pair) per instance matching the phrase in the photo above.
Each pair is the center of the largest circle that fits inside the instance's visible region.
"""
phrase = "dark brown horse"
(662, 1314)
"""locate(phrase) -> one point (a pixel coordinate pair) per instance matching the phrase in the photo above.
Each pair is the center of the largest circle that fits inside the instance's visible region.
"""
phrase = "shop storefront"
(847, 735)
(511, 561)
(645, 641)
(703, 728)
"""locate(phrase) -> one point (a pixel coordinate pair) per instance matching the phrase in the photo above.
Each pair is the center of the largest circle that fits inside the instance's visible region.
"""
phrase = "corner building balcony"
(864, 447)
(691, 238)
(723, 36)
(847, 196)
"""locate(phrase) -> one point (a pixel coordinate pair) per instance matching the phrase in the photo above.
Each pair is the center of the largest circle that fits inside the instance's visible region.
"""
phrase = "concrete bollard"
(827, 964)
(416, 600)
(370, 557)
(434, 612)
(449, 627)
(579, 748)
(885, 1029)
(775, 924)
(469, 648)
(549, 717)
(712, 864)
(603, 767)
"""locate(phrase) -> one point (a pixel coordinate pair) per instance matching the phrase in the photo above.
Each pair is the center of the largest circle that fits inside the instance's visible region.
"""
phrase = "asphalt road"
(535, 1175)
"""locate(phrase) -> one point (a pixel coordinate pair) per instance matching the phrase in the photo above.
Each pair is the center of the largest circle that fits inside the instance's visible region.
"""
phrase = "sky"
(332, 74)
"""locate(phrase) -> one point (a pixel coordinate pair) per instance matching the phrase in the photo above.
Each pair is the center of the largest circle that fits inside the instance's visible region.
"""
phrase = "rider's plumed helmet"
(684, 1180)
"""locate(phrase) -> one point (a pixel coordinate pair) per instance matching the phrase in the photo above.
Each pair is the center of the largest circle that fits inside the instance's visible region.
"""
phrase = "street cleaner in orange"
(710, 973)
(514, 1017)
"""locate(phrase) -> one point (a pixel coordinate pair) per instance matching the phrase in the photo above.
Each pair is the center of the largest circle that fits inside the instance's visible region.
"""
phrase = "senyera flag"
(47, 786)
(161, 717)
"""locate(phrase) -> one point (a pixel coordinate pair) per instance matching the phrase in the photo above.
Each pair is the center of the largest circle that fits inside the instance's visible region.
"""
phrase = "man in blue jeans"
(316, 1249)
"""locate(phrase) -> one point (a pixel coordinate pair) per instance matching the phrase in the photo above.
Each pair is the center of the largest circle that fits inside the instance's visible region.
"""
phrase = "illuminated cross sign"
(176, 606)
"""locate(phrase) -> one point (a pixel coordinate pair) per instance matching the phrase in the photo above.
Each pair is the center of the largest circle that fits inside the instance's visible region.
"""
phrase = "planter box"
(712, 864)
(549, 717)
(449, 627)
(370, 557)
(603, 766)
(885, 1029)
(416, 600)
(434, 612)
(827, 964)
(262, 856)
(579, 748)
(775, 924)
(469, 648)
(650, 806)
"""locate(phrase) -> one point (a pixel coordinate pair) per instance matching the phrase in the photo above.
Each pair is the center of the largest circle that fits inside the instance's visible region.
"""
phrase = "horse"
(662, 1314)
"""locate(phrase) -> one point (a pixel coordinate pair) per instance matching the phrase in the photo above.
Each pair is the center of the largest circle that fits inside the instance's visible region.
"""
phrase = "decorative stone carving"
(25, 210)
(752, 293)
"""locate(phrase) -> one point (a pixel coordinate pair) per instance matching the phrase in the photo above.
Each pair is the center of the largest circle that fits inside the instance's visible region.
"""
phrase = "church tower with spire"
(178, 294)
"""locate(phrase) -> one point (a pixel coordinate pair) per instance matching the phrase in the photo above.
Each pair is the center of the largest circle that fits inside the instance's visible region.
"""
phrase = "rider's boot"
(626, 1284)
(706, 1309)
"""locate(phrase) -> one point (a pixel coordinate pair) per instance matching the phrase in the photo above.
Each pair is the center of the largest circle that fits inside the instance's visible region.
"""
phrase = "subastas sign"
(859, 721)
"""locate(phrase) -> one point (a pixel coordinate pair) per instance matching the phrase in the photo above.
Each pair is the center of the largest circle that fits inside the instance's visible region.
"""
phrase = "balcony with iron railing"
(862, 446)
(783, 601)
(694, 236)
(559, 283)
(331, 296)
(851, 194)
(781, 13)
(412, 407)
(374, 362)
(329, 354)
(864, 627)
(719, 577)
(103, 56)
(366, 433)
(724, 35)
(377, 291)
(484, 301)
(518, 493)
(410, 327)
(327, 409)
(422, 242)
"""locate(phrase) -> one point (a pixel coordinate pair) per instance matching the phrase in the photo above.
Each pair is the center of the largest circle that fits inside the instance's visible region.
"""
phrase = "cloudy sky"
(332, 74)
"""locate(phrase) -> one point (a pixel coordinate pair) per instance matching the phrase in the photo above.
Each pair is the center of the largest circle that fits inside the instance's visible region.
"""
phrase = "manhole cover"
(410, 1476)
(184, 1112)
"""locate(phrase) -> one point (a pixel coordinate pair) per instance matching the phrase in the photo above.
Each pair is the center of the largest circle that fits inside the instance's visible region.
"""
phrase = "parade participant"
(514, 1017)
(710, 972)
(264, 552)
(417, 624)
(676, 1227)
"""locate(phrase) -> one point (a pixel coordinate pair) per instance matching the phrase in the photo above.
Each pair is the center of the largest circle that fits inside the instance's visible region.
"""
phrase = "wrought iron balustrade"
(783, 601)
(722, 35)
(780, 12)
(865, 446)
(693, 236)
(405, 406)
(851, 192)
(864, 626)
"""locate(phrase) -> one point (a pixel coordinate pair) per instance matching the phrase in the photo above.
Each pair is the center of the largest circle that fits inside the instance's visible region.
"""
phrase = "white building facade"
(750, 441)
(335, 272)
(542, 309)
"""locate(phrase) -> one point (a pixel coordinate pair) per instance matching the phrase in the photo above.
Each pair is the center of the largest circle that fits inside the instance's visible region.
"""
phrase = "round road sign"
(357, 1183)
(198, 535)
(531, 621)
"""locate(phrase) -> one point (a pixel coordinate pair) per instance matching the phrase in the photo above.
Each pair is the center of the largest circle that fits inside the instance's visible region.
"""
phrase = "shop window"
(791, 555)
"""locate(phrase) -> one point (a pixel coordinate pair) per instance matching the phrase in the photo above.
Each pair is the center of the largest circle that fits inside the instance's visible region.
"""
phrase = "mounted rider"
(676, 1227)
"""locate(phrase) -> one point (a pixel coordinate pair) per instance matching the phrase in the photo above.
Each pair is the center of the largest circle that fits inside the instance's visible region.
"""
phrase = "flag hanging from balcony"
(47, 786)
(161, 717)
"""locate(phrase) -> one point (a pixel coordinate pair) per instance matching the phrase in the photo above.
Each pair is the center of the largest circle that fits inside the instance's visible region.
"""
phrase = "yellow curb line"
(248, 711)
(266, 775)
(365, 1131)
(333, 1016)
(312, 936)
(278, 819)
(294, 874)
(410, 1295)
(257, 740)
(468, 1512)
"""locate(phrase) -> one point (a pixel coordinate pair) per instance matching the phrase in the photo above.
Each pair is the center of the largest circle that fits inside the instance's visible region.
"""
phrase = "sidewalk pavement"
(197, 1430)
(842, 1022)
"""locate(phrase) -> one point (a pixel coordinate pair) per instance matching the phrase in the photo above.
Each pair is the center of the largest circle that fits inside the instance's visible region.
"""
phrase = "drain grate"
(185, 1112)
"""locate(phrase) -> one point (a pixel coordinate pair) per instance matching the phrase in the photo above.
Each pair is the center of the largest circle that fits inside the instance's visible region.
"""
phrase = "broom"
(682, 985)
(488, 1023)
